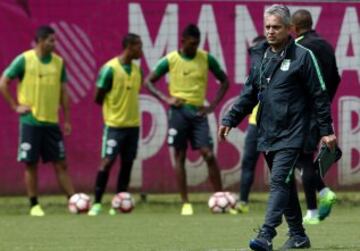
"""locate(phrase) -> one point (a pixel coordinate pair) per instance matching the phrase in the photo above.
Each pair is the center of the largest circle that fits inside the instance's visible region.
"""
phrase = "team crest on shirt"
(171, 135)
(25, 146)
(111, 142)
(285, 65)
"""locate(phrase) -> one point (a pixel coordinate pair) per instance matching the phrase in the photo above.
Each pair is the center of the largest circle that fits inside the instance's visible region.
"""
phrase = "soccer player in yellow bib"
(188, 76)
(117, 91)
(40, 92)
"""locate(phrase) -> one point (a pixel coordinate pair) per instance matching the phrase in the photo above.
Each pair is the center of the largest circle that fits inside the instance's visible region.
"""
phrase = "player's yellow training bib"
(121, 104)
(252, 118)
(41, 86)
(188, 77)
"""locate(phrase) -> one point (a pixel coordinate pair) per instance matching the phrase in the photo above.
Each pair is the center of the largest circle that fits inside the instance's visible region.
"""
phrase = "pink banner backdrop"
(89, 32)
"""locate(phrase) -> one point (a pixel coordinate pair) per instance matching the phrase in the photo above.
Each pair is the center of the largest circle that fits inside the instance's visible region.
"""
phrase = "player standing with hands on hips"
(40, 92)
(188, 78)
(288, 85)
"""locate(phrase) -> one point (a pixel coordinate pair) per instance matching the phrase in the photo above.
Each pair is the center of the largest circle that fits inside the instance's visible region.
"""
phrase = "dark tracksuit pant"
(283, 199)
(311, 179)
(248, 164)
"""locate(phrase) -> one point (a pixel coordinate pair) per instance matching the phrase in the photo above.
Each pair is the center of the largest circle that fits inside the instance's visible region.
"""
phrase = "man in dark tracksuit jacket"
(324, 53)
(288, 84)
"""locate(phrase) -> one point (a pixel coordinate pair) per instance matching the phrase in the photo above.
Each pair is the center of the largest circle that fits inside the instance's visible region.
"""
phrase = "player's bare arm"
(224, 86)
(100, 96)
(4, 89)
(150, 84)
(66, 108)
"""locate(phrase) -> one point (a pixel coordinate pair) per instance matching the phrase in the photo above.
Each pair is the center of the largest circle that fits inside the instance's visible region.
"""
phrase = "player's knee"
(180, 155)
(208, 155)
(106, 164)
(61, 166)
(31, 166)
(64, 167)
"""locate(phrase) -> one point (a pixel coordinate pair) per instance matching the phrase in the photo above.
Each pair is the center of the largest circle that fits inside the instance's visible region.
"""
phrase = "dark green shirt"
(105, 78)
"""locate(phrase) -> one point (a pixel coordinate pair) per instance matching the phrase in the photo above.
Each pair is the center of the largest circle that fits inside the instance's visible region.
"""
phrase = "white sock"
(324, 191)
(312, 213)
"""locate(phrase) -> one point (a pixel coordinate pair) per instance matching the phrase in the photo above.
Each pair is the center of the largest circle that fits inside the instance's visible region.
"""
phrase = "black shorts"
(120, 141)
(40, 141)
(185, 125)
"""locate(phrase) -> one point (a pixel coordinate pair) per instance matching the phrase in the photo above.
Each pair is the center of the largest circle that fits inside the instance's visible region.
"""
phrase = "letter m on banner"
(167, 36)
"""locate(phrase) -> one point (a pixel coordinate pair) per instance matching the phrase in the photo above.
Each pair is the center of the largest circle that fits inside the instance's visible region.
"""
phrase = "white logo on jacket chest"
(285, 65)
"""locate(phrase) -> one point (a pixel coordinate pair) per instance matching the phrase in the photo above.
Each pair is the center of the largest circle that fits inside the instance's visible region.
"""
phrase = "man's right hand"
(173, 101)
(223, 132)
(22, 109)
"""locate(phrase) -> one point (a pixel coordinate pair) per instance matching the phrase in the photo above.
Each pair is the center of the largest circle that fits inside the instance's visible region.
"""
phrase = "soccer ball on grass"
(124, 202)
(79, 203)
(221, 202)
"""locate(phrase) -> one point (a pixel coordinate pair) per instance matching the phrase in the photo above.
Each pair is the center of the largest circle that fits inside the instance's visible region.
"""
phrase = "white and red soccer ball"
(79, 203)
(221, 202)
(123, 202)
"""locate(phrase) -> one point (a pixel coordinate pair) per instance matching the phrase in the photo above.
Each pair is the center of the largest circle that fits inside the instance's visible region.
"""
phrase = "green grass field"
(156, 225)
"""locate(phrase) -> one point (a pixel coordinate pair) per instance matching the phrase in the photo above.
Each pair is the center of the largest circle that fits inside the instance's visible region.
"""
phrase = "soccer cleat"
(233, 211)
(36, 211)
(296, 242)
(187, 209)
(95, 210)
(326, 203)
(242, 207)
(311, 220)
(261, 243)
(112, 211)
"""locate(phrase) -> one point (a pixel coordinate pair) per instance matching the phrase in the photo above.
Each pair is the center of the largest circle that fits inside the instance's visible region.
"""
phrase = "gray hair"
(281, 11)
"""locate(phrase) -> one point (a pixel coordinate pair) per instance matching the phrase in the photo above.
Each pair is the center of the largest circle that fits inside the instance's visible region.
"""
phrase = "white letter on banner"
(154, 140)
(245, 32)
(167, 38)
(208, 27)
(349, 139)
(349, 34)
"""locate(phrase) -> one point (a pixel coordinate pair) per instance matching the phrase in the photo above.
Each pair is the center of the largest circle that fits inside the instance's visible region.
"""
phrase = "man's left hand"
(329, 141)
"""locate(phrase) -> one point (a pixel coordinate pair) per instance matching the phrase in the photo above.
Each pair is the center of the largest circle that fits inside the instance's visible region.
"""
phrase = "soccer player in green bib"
(118, 88)
(188, 78)
(40, 92)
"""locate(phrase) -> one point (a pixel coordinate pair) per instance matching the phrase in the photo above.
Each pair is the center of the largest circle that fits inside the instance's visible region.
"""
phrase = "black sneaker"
(262, 242)
(296, 242)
